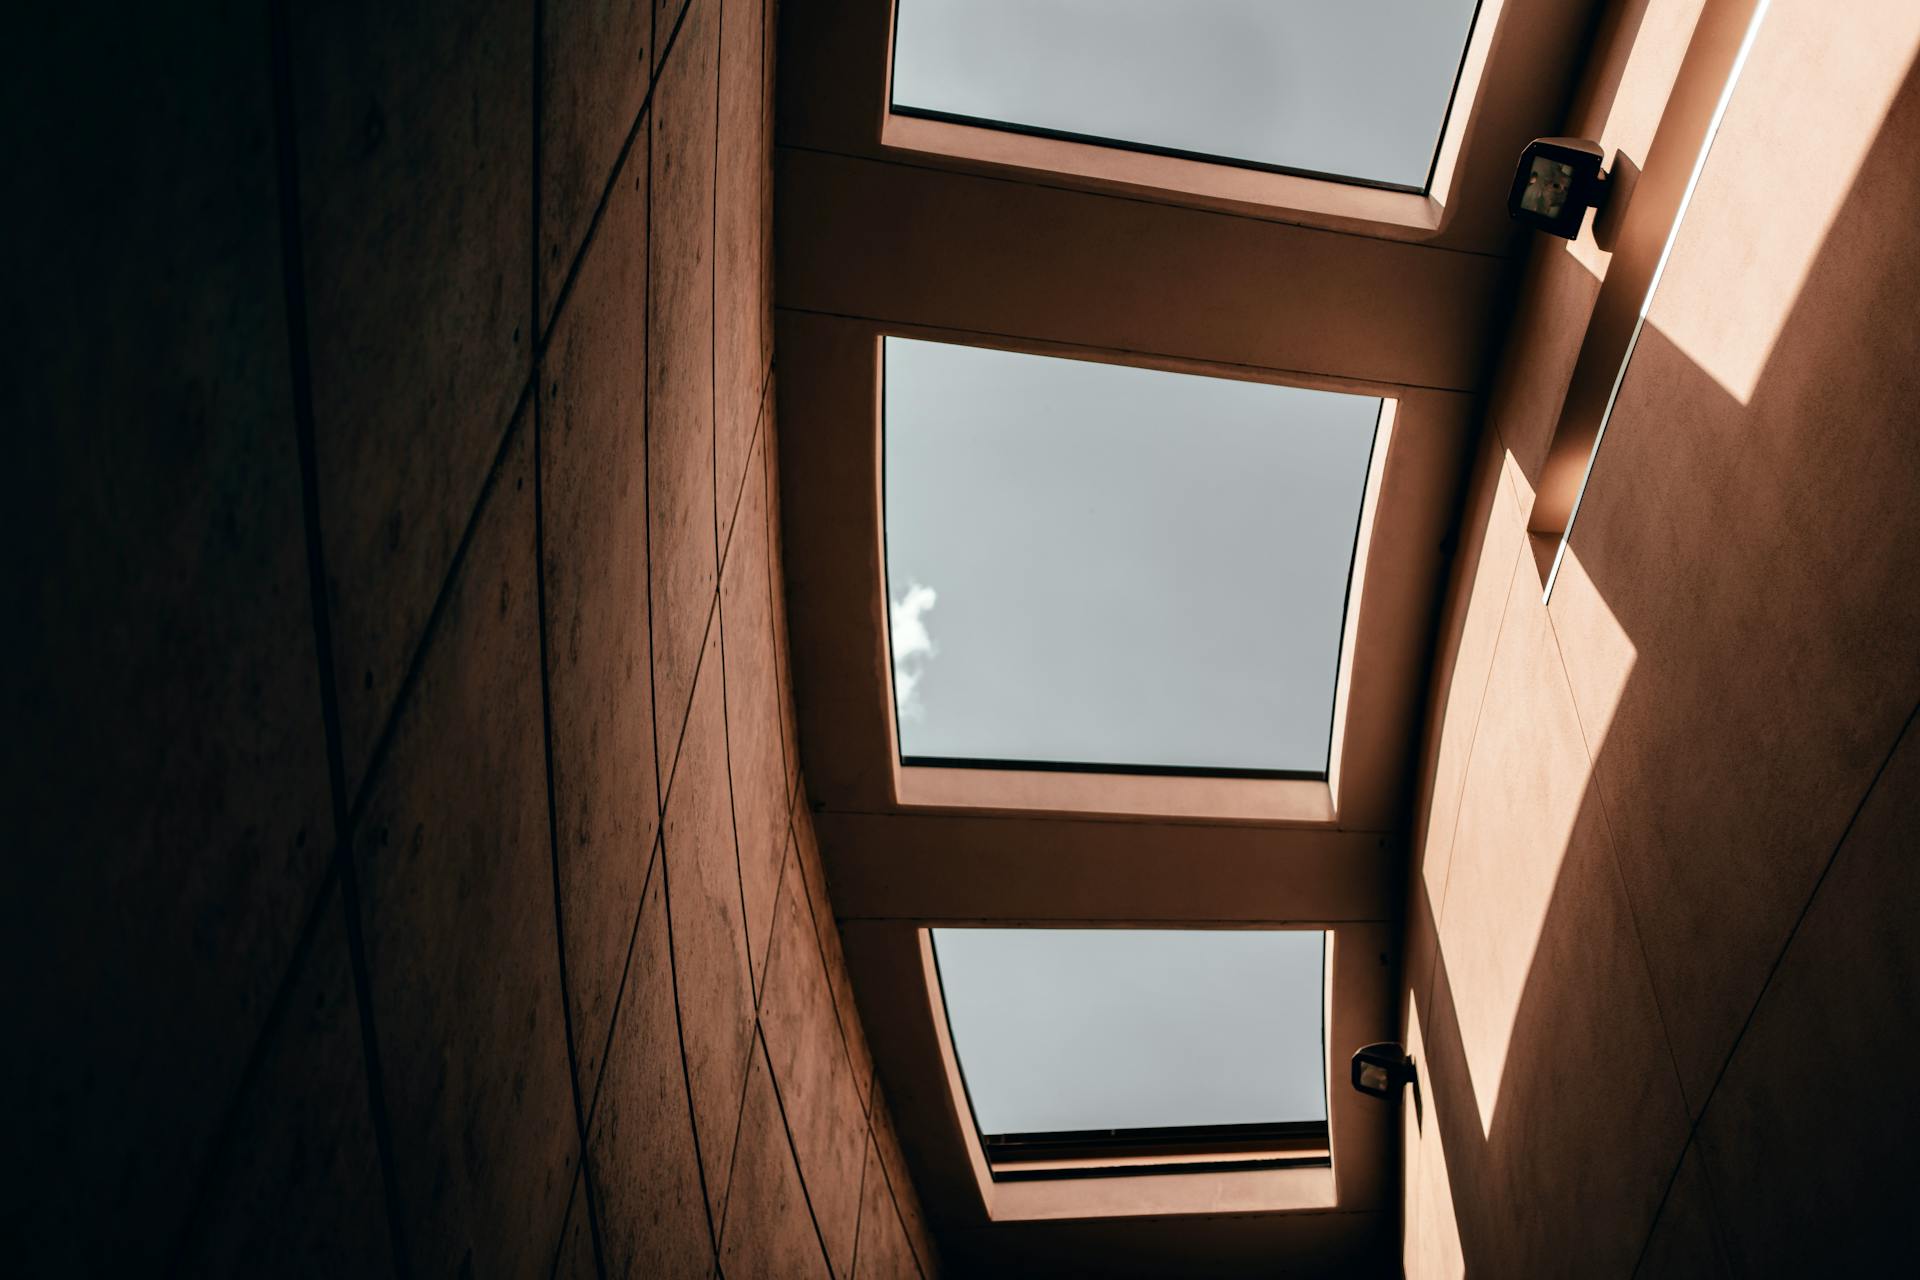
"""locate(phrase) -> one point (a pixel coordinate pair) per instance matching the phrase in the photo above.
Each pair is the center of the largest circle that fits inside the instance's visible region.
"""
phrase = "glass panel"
(1099, 565)
(1077, 1029)
(1548, 182)
(1357, 90)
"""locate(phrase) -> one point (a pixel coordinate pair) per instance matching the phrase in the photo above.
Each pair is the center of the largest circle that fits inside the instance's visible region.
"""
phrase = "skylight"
(1109, 568)
(1071, 1038)
(1358, 91)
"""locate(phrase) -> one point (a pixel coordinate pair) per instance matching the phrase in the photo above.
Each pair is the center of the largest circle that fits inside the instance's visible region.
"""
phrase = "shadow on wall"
(1660, 925)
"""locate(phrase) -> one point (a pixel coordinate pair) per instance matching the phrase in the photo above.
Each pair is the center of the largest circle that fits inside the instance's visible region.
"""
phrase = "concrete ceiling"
(878, 231)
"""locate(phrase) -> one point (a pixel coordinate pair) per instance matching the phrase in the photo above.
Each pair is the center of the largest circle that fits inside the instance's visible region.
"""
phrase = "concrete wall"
(403, 869)
(1660, 922)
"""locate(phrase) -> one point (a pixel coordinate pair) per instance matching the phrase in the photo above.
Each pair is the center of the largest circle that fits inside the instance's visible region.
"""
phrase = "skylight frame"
(1442, 134)
(1171, 179)
(837, 601)
(1316, 787)
(1146, 1151)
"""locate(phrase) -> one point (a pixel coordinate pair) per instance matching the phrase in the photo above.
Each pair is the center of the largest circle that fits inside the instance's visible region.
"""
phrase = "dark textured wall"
(403, 869)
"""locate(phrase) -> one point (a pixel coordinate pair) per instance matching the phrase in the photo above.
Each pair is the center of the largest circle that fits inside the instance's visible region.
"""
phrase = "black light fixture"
(1380, 1069)
(1558, 180)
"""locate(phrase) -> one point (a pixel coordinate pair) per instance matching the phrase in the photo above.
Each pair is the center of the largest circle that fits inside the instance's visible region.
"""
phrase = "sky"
(1355, 88)
(1097, 564)
(1068, 1029)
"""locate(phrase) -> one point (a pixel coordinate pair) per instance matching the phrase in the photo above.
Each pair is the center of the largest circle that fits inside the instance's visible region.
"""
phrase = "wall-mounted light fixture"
(1380, 1069)
(1558, 180)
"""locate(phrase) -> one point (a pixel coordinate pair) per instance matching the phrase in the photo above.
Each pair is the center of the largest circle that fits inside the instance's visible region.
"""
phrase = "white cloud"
(912, 647)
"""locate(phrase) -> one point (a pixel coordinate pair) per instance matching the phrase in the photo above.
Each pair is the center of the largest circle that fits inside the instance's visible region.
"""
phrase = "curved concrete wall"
(405, 874)
(1661, 909)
